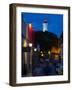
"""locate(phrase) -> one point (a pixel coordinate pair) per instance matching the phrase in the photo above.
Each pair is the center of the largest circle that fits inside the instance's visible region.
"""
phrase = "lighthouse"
(45, 25)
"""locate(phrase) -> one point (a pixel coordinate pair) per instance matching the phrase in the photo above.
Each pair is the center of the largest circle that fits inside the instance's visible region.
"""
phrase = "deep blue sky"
(55, 21)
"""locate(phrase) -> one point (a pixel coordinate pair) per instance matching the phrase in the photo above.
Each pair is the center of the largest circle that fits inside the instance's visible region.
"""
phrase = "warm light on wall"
(25, 43)
(30, 26)
(41, 52)
(30, 31)
(56, 50)
(56, 57)
(30, 44)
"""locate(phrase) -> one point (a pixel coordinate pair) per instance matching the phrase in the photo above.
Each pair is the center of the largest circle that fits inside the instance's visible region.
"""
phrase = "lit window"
(41, 52)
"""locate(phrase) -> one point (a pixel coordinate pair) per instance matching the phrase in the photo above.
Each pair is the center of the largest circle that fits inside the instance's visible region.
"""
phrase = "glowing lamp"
(42, 54)
(35, 49)
(49, 52)
(30, 30)
(30, 44)
(30, 26)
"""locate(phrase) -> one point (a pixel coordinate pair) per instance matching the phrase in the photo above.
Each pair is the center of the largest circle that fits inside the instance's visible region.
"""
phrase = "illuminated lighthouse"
(45, 25)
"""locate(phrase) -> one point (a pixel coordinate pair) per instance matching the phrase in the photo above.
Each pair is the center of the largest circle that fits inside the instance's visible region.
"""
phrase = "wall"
(4, 45)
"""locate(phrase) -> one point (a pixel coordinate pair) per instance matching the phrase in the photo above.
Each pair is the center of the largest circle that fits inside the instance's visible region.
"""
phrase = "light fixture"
(35, 49)
(42, 54)
(30, 44)
(30, 27)
(49, 52)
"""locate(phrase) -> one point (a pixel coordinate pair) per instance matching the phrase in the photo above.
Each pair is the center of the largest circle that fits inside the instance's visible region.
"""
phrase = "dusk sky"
(55, 22)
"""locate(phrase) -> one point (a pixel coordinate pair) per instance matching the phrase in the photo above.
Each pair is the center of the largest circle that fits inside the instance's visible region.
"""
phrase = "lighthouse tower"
(45, 25)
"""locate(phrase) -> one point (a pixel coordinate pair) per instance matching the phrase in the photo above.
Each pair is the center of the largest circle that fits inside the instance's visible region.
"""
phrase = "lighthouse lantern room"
(45, 25)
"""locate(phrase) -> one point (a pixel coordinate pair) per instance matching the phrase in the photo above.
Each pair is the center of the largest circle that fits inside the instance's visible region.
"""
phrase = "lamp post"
(25, 53)
(30, 30)
(30, 45)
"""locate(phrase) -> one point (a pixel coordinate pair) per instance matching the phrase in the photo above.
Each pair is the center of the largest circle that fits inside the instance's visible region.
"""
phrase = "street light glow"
(42, 54)
(30, 26)
(30, 44)
(49, 52)
(35, 49)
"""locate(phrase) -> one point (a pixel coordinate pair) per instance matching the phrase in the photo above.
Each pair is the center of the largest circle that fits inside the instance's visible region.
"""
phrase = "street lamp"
(30, 44)
(49, 52)
(35, 49)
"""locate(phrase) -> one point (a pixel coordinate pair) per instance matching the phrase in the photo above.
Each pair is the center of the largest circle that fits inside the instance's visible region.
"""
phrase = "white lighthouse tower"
(45, 25)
